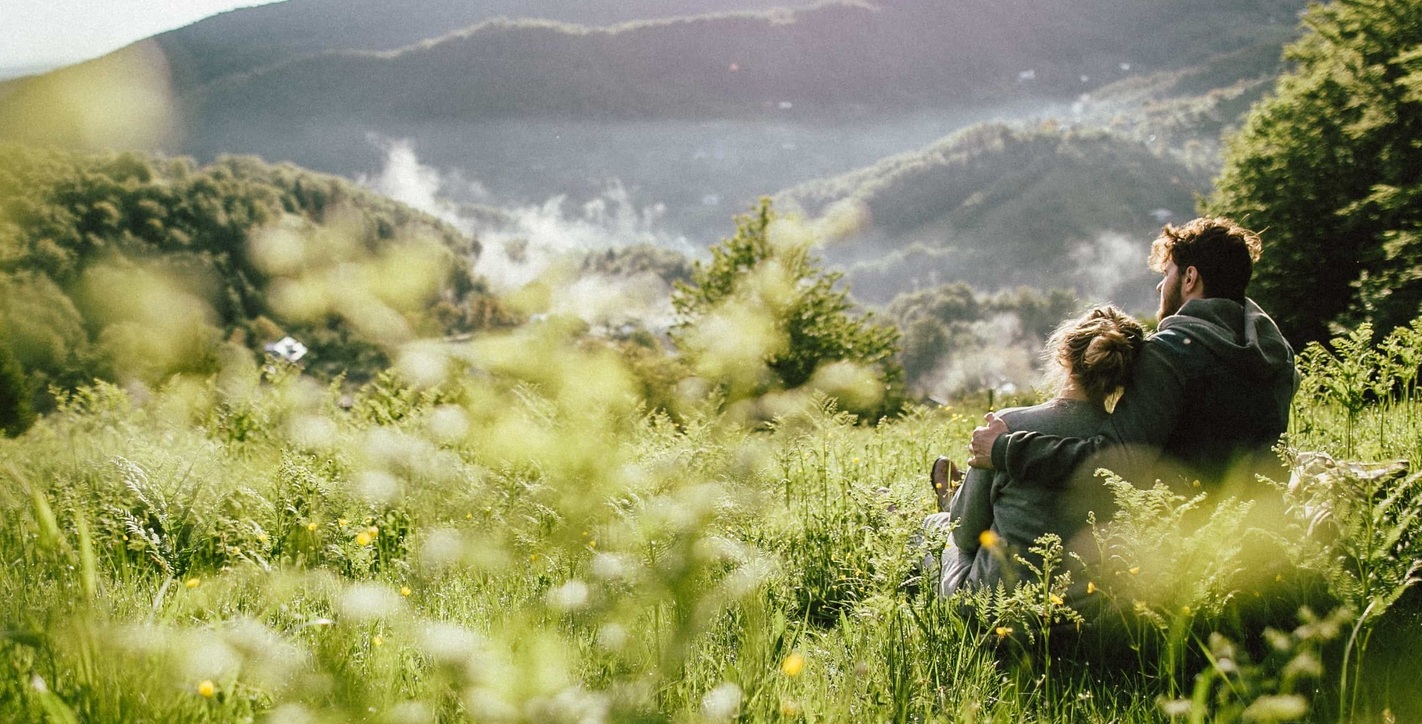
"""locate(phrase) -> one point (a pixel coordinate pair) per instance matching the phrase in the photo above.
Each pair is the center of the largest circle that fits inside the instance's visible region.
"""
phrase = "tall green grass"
(519, 540)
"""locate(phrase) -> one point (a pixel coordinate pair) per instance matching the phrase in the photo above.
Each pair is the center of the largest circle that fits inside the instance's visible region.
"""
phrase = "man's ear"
(1191, 281)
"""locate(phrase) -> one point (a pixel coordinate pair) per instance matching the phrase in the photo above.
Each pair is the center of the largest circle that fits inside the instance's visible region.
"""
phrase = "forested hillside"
(247, 39)
(848, 58)
(837, 59)
(1068, 201)
(132, 267)
(998, 207)
(244, 39)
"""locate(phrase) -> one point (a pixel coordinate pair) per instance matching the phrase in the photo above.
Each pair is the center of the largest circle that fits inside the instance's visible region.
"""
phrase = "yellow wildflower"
(311, 526)
(1003, 631)
(362, 538)
(405, 591)
(206, 689)
(193, 582)
(793, 664)
(1056, 600)
(1090, 587)
(989, 539)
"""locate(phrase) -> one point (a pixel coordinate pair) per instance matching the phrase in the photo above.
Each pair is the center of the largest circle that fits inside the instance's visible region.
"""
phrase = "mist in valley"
(702, 172)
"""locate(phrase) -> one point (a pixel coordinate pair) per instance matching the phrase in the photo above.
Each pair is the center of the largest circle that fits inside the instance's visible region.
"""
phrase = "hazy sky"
(56, 32)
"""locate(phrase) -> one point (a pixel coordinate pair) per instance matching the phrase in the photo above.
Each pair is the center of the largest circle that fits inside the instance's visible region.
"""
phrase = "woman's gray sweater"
(1019, 511)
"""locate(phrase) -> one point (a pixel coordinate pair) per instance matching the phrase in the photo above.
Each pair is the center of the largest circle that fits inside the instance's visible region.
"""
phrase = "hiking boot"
(945, 477)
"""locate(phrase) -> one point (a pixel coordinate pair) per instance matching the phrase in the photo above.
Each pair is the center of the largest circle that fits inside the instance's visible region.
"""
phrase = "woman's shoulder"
(1055, 414)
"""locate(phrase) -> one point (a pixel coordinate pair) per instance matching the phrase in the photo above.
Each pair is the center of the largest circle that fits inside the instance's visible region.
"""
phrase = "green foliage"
(16, 415)
(959, 342)
(629, 261)
(766, 278)
(127, 266)
(1234, 688)
(1327, 168)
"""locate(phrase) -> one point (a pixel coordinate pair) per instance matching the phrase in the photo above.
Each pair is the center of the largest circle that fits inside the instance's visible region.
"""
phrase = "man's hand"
(980, 449)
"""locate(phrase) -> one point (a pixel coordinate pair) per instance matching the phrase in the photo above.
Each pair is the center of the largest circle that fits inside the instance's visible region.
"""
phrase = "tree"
(1329, 169)
(16, 414)
(764, 284)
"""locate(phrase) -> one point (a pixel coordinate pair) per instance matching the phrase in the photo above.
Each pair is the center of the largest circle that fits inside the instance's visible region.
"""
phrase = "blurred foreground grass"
(527, 543)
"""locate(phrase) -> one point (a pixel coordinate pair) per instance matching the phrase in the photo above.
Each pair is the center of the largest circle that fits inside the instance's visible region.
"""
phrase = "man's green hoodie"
(1208, 398)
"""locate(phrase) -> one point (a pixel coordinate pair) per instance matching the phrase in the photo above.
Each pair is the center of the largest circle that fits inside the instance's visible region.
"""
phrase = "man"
(1210, 394)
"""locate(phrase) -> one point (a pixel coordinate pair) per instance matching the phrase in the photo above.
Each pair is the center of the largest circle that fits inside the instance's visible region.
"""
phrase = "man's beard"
(1170, 301)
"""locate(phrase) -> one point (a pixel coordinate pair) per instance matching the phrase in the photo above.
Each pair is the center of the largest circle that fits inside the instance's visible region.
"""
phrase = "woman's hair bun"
(1106, 348)
(1098, 349)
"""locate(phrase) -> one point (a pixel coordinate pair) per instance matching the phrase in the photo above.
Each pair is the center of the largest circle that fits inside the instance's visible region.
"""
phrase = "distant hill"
(833, 59)
(126, 266)
(1065, 201)
(998, 206)
(830, 60)
(245, 39)
(241, 40)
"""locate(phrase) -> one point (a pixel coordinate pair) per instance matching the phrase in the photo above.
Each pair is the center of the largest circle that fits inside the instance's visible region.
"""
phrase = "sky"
(59, 32)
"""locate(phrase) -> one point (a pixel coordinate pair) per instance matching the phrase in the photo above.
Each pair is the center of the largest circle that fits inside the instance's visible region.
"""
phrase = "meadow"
(506, 533)
(543, 511)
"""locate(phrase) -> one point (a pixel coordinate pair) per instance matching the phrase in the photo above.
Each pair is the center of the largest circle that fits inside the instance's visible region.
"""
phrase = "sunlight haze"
(48, 33)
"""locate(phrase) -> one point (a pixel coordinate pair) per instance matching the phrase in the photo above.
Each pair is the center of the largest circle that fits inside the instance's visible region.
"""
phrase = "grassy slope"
(197, 556)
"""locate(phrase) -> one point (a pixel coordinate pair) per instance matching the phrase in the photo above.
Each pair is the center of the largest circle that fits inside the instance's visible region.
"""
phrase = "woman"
(998, 517)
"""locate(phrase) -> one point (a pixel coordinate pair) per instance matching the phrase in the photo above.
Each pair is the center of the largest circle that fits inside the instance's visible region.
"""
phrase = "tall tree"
(770, 285)
(1330, 170)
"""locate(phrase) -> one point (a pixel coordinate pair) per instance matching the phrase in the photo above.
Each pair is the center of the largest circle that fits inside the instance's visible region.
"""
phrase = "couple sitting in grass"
(1202, 401)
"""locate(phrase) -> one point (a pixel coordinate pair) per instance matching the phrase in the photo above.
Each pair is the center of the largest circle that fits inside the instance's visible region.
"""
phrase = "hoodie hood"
(1241, 335)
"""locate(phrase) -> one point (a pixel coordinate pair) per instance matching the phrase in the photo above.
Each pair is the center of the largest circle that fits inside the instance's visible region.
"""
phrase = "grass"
(532, 545)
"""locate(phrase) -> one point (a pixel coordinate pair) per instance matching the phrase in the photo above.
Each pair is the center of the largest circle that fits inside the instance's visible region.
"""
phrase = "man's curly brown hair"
(1222, 252)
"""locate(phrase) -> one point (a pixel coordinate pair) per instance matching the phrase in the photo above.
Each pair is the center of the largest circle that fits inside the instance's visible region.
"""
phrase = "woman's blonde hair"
(1096, 350)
